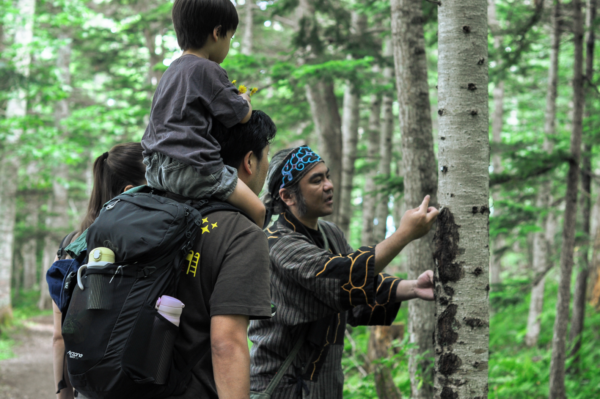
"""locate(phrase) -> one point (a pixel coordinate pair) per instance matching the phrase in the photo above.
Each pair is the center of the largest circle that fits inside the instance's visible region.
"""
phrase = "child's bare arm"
(246, 97)
(245, 199)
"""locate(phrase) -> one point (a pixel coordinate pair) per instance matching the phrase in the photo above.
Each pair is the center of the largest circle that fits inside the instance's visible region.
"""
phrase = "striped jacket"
(321, 288)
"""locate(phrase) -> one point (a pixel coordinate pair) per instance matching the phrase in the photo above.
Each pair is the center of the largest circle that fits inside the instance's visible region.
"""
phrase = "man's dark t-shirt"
(192, 92)
(227, 273)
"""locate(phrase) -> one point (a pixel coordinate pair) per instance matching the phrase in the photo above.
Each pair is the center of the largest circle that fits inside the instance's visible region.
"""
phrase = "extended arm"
(421, 288)
(414, 224)
(230, 356)
(246, 97)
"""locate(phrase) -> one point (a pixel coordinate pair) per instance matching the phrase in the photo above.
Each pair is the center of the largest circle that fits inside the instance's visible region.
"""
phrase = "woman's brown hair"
(113, 171)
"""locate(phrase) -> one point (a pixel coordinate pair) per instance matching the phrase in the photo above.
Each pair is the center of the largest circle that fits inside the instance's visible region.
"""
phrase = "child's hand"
(246, 97)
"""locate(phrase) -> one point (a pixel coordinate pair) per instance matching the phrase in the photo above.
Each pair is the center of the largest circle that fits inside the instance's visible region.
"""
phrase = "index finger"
(425, 204)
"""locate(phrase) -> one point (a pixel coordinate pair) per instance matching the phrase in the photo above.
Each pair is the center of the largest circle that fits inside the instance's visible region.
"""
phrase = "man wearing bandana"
(319, 283)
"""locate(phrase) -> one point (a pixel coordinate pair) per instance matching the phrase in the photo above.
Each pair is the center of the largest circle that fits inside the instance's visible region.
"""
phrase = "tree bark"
(9, 163)
(595, 267)
(369, 200)
(248, 40)
(578, 318)
(541, 242)
(380, 345)
(462, 235)
(320, 95)
(350, 122)
(326, 116)
(420, 175)
(387, 132)
(58, 218)
(29, 247)
(557, 363)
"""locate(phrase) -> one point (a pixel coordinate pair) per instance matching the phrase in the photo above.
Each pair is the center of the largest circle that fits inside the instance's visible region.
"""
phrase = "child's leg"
(165, 173)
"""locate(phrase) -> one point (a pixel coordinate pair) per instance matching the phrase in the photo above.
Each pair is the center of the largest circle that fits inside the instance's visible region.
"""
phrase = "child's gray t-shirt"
(192, 93)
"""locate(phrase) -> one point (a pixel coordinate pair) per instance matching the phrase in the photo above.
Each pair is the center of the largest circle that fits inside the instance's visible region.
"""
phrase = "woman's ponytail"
(113, 171)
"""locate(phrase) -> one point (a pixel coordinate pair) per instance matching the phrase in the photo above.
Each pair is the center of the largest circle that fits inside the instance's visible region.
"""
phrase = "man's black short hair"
(236, 141)
(194, 20)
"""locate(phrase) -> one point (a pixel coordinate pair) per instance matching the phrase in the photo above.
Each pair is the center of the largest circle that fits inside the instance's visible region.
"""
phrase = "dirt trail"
(28, 375)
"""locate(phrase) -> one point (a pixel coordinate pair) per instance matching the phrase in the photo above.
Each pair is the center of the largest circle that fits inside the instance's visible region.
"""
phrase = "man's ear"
(215, 33)
(287, 197)
(128, 187)
(247, 163)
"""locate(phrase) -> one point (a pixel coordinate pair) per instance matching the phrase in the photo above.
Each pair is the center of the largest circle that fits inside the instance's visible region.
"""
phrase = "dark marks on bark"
(466, 29)
(449, 290)
(448, 393)
(446, 247)
(472, 87)
(478, 272)
(449, 364)
(445, 326)
(474, 322)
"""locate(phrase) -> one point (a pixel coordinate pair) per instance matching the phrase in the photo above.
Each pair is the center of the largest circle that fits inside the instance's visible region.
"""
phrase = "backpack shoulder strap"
(61, 253)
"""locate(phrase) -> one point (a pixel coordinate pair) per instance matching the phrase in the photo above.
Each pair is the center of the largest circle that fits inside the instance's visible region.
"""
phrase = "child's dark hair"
(113, 171)
(194, 20)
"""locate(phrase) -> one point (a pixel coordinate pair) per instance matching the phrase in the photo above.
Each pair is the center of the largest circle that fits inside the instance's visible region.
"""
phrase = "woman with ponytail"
(115, 171)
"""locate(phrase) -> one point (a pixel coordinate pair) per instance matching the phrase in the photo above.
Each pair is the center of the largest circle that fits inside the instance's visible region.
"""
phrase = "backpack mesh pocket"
(149, 359)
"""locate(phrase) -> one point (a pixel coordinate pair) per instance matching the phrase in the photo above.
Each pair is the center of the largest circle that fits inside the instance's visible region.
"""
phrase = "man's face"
(259, 171)
(222, 48)
(317, 191)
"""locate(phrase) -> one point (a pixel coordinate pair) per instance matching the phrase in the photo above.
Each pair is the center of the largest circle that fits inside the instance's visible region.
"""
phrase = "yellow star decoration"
(205, 220)
(214, 226)
(205, 230)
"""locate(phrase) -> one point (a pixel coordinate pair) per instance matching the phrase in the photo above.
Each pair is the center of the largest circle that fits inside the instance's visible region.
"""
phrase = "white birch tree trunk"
(387, 132)
(247, 39)
(557, 363)
(9, 164)
(369, 200)
(462, 237)
(541, 242)
(58, 218)
(420, 175)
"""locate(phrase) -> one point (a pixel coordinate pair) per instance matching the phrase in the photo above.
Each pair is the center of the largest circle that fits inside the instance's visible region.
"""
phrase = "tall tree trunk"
(324, 108)
(595, 267)
(497, 122)
(29, 247)
(156, 57)
(369, 201)
(58, 219)
(541, 243)
(350, 122)
(420, 175)
(9, 163)
(557, 364)
(462, 236)
(578, 317)
(247, 39)
(328, 125)
(380, 345)
(387, 132)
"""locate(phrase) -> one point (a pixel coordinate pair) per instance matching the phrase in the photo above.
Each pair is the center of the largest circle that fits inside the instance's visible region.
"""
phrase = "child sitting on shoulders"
(180, 154)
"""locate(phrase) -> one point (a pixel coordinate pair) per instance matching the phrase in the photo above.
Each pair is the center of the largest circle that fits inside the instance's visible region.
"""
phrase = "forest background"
(77, 77)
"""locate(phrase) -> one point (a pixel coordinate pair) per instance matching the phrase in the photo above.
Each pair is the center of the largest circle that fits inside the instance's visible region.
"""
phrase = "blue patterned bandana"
(297, 163)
